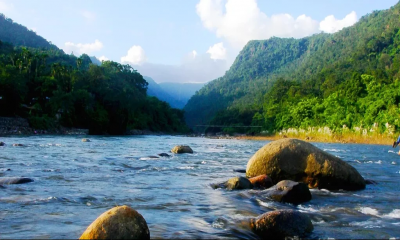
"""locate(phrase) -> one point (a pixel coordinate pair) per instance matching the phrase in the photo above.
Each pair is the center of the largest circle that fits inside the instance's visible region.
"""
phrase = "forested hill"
(273, 80)
(19, 35)
(50, 88)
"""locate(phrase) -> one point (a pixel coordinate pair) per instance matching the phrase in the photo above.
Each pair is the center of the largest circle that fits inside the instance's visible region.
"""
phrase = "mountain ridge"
(310, 60)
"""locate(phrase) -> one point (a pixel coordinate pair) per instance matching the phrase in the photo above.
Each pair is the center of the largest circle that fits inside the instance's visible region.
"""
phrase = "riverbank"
(20, 126)
(378, 139)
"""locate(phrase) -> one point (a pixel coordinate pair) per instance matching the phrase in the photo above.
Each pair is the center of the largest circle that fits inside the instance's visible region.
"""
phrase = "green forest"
(40, 82)
(346, 80)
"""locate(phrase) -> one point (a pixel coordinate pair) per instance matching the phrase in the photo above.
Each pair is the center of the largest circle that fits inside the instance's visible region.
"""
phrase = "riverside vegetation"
(347, 82)
(40, 82)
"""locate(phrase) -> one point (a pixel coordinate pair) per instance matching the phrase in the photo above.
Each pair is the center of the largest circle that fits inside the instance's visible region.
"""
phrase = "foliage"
(45, 85)
(348, 78)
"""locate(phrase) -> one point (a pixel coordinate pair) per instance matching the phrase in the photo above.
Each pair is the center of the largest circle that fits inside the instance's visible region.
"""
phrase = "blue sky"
(179, 40)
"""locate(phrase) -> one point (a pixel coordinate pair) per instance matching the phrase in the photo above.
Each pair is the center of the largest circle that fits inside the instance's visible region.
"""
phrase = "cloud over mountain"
(239, 21)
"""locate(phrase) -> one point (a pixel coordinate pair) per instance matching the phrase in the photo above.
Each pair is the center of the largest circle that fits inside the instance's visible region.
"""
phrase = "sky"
(180, 40)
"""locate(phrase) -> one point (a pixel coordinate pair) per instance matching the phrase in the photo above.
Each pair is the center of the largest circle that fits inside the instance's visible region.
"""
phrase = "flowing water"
(76, 181)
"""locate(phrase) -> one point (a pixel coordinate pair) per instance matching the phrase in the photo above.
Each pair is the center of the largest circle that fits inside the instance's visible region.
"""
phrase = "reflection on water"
(75, 182)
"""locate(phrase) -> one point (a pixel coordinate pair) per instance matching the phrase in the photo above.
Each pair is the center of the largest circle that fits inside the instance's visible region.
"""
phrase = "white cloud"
(89, 16)
(192, 69)
(218, 51)
(103, 58)
(5, 6)
(330, 24)
(194, 53)
(239, 21)
(81, 48)
(135, 56)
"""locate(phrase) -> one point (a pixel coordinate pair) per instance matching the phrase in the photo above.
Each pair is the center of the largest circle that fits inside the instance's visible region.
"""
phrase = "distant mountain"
(181, 91)
(155, 90)
(19, 35)
(95, 60)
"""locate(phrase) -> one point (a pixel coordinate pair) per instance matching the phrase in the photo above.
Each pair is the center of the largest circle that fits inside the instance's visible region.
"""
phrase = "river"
(77, 181)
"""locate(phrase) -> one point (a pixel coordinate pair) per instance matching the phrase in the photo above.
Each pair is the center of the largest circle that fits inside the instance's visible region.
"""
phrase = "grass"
(348, 137)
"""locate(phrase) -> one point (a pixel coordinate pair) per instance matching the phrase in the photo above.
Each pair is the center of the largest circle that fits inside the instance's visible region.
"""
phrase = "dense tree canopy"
(48, 85)
(348, 78)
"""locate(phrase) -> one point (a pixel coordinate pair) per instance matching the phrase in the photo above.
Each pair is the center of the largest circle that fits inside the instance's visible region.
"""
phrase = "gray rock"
(237, 183)
(281, 224)
(14, 180)
(163, 155)
(290, 192)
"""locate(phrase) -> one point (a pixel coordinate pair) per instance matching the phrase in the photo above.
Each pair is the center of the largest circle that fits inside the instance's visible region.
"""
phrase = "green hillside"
(19, 35)
(281, 83)
(40, 82)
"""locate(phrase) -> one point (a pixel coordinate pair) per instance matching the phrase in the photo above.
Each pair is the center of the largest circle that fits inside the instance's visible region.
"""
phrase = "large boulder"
(182, 149)
(281, 224)
(261, 182)
(290, 192)
(14, 180)
(238, 183)
(118, 223)
(292, 159)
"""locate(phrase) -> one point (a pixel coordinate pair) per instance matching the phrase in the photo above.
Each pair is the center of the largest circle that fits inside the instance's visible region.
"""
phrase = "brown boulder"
(182, 149)
(262, 181)
(293, 159)
(238, 183)
(281, 224)
(118, 223)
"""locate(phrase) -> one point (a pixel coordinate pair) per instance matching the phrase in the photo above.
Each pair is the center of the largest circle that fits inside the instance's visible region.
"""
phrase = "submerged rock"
(182, 149)
(118, 223)
(240, 170)
(152, 157)
(262, 181)
(14, 180)
(163, 155)
(300, 161)
(2, 144)
(281, 224)
(86, 140)
(238, 183)
(18, 145)
(290, 192)
(369, 181)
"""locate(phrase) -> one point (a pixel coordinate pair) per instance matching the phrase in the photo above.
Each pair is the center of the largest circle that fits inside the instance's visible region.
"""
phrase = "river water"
(75, 182)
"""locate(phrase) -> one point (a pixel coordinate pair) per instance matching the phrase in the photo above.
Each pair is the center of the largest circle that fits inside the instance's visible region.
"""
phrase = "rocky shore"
(20, 126)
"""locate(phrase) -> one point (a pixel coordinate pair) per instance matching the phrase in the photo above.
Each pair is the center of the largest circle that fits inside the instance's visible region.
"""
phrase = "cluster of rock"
(296, 166)
(293, 164)
(296, 160)
(20, 126)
